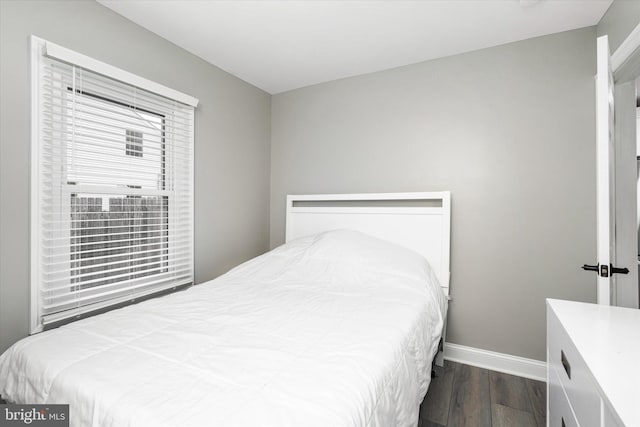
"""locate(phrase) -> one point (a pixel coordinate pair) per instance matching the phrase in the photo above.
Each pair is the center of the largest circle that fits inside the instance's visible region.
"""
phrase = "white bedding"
(338, 329)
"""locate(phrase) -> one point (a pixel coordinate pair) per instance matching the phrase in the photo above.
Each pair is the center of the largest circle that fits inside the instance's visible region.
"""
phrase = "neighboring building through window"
(134, 143)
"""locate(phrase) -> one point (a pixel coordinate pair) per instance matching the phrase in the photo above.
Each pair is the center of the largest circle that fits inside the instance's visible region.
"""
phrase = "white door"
(606, 173)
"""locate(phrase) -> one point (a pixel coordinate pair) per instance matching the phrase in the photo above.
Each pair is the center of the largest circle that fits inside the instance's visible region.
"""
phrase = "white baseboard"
(515, 365)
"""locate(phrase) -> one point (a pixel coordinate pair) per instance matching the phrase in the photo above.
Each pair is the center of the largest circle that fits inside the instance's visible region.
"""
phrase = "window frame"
(40, 48)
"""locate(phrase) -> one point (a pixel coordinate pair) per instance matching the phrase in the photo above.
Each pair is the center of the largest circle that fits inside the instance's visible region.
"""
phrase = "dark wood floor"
(463, 395)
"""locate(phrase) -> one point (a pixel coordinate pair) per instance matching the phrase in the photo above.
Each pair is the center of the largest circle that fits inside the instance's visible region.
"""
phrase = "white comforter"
(333, 330)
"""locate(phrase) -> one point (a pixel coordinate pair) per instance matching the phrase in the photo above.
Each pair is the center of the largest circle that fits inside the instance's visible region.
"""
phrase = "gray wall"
(619, 20)
(231, 149)
(509, 130)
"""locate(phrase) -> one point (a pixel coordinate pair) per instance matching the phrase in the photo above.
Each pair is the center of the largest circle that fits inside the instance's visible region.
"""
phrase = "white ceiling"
(283, 45)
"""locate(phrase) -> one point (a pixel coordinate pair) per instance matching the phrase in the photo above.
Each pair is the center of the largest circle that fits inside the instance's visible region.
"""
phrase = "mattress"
(337, 329)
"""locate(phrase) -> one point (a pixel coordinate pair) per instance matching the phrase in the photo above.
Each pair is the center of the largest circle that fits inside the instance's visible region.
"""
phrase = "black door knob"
(617, 270)
(590, 267)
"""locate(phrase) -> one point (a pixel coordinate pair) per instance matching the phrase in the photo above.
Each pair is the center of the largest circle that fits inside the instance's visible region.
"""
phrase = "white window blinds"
(112, 191)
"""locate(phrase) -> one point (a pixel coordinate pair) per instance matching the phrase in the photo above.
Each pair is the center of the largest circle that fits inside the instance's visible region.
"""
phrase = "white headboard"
(418, 221)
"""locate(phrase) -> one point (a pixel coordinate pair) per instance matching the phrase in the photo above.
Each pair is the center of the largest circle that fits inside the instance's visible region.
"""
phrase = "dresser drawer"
(559, 412)
(573, 375)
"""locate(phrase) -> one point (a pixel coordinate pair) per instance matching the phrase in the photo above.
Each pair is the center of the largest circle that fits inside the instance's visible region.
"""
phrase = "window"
(112, 187)
(134, 143)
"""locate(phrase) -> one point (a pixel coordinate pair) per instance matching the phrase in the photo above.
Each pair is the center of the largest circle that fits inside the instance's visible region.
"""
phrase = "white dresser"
(593, 365)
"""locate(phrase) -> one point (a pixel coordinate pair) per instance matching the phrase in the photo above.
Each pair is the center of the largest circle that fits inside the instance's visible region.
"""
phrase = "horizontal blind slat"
(58, 114)
(50, 295)
(171, 234)
(110, 260)
(108, 87)
(60, 259)
(170, 281)
(134, 268)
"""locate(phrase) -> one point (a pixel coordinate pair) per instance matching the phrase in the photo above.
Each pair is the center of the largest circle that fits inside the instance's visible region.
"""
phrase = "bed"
(337, 327)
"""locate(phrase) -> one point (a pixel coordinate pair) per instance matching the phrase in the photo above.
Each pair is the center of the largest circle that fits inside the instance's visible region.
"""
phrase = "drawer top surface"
(608, 339)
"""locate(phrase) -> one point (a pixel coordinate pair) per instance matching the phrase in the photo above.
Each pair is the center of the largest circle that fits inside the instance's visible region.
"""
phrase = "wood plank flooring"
(462, 395)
